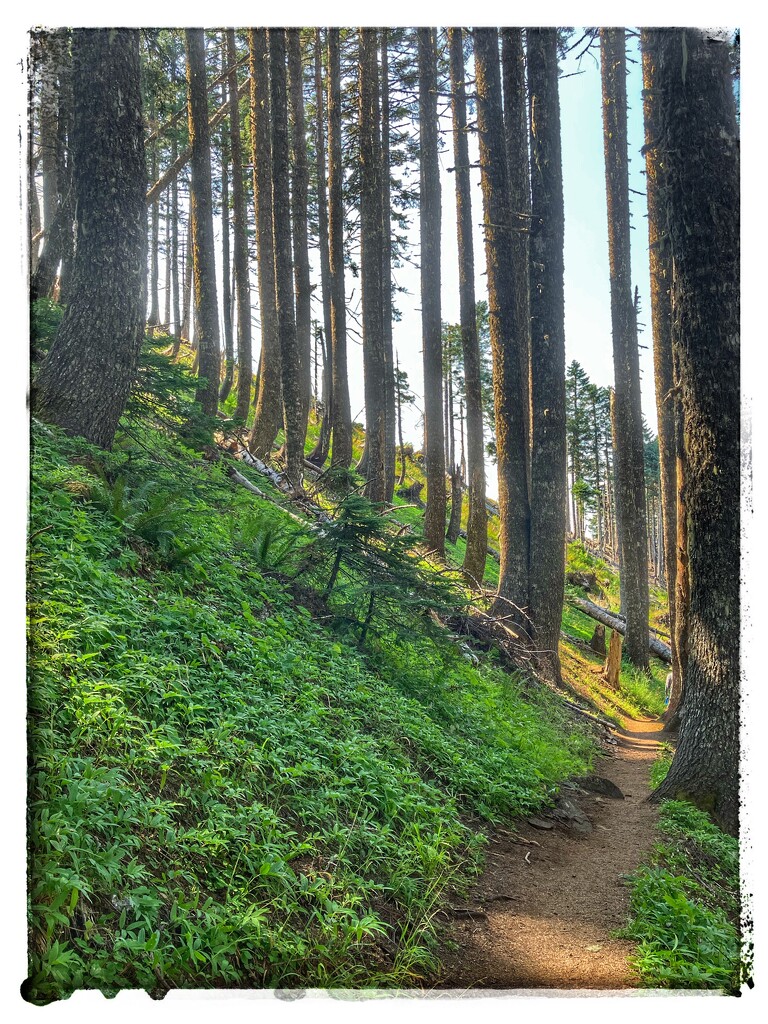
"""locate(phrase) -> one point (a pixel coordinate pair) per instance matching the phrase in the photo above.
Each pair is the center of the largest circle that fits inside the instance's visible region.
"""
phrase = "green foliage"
(223, 791)
(645, 691)
(578, 560)
(661, 765)
(685, 905)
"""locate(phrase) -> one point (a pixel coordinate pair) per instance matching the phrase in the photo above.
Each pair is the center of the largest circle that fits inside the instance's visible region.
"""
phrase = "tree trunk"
(58, 216)
(241, 261)
(294, 408)
(518, 166)
(226, 260)
(386, 281)
(430, 216)
(341, 452)
(175, 228)
(153, 319)
(630, 476)
(661, 312)
(185, 332)
(319, 454)
(547, 318)
(268, 415)
(84, 382)
(509, 402)
(299, 200)
(201, 210)
(697, 150)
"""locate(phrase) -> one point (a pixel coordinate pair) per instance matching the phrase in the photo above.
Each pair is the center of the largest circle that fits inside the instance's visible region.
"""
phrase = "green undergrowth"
(685, 905)
(227, 786)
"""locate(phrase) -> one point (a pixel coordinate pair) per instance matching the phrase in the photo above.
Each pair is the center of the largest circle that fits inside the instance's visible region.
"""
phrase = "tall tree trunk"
(175, 226)
(319, 454)
(697, 149)
(516, 135)
(153, 318)
(399, 406)
(630, 476)
(226, 251)
(185, 332)
(83, 384)
(241, 261)
(201, 211)
(58, 216)
(547, 311)
(167, 286)
(371, 242)
(341, 452)
(430, 216)
(294, 408)
(268, 415)
(661, 312)
(509, 403)
(386, 278)
(299, 202)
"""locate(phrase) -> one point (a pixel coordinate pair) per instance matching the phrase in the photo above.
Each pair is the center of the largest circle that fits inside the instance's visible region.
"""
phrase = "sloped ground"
(543, 912)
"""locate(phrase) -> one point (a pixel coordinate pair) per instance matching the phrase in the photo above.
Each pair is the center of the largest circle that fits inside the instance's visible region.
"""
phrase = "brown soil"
(543, 912)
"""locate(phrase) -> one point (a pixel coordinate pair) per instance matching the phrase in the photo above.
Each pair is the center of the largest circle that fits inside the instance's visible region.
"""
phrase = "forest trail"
(543, 912)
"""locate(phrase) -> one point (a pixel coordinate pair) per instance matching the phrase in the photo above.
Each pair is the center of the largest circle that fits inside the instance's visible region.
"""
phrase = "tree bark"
(83, 384)
(697, 149)
(293, 404)
(661, 312)
(630, 476)
(299, 201)
(371, 242)
(386, 280)
(509, 402)
(430, 216)
(226, 249)
(241, 261)
(547, 349)
(268, 414)
(473, 566)
(341, 452)
(201, 211)
(319, 454)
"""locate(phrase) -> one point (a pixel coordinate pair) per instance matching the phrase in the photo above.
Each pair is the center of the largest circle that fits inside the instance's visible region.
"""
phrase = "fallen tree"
(655, 646)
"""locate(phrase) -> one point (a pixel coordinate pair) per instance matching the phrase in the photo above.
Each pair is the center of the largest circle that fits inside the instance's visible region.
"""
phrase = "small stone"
(540, 823)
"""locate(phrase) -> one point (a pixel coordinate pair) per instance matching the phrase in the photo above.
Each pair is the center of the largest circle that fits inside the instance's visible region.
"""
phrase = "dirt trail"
(541, 916)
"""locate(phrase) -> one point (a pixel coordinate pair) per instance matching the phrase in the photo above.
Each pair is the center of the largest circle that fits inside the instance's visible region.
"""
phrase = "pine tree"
(630, 496)
(697, 154)
(429, 224)
(477, 521)
(83, 384)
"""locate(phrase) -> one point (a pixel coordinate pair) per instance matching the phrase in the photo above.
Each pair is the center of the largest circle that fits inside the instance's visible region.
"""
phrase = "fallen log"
(656, 647)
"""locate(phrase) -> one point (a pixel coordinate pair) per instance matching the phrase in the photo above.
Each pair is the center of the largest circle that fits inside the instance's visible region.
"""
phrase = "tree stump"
(597, 643)
(613, 662)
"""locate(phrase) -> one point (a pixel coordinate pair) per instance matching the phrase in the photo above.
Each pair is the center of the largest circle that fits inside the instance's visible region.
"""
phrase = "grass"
(685, 906)
(224, 790)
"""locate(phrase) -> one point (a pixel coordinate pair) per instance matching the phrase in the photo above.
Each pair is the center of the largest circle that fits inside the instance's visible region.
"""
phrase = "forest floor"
(545, 911)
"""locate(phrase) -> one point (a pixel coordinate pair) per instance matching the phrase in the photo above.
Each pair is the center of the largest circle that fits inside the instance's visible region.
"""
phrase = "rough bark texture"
(661, 313)
(299, 200)
(84, 383)
(226, 249)
(293, 406)
(698, 150)
(516, 137)
(477, 521)
(617, 623)
(320, 452)
(630, 476)
(386, 281)
(341, 452)
(201, 210)
(371, 241)
(240, 225)
(547, 347)
(429, 226)
(509, 403)
(268, 415)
